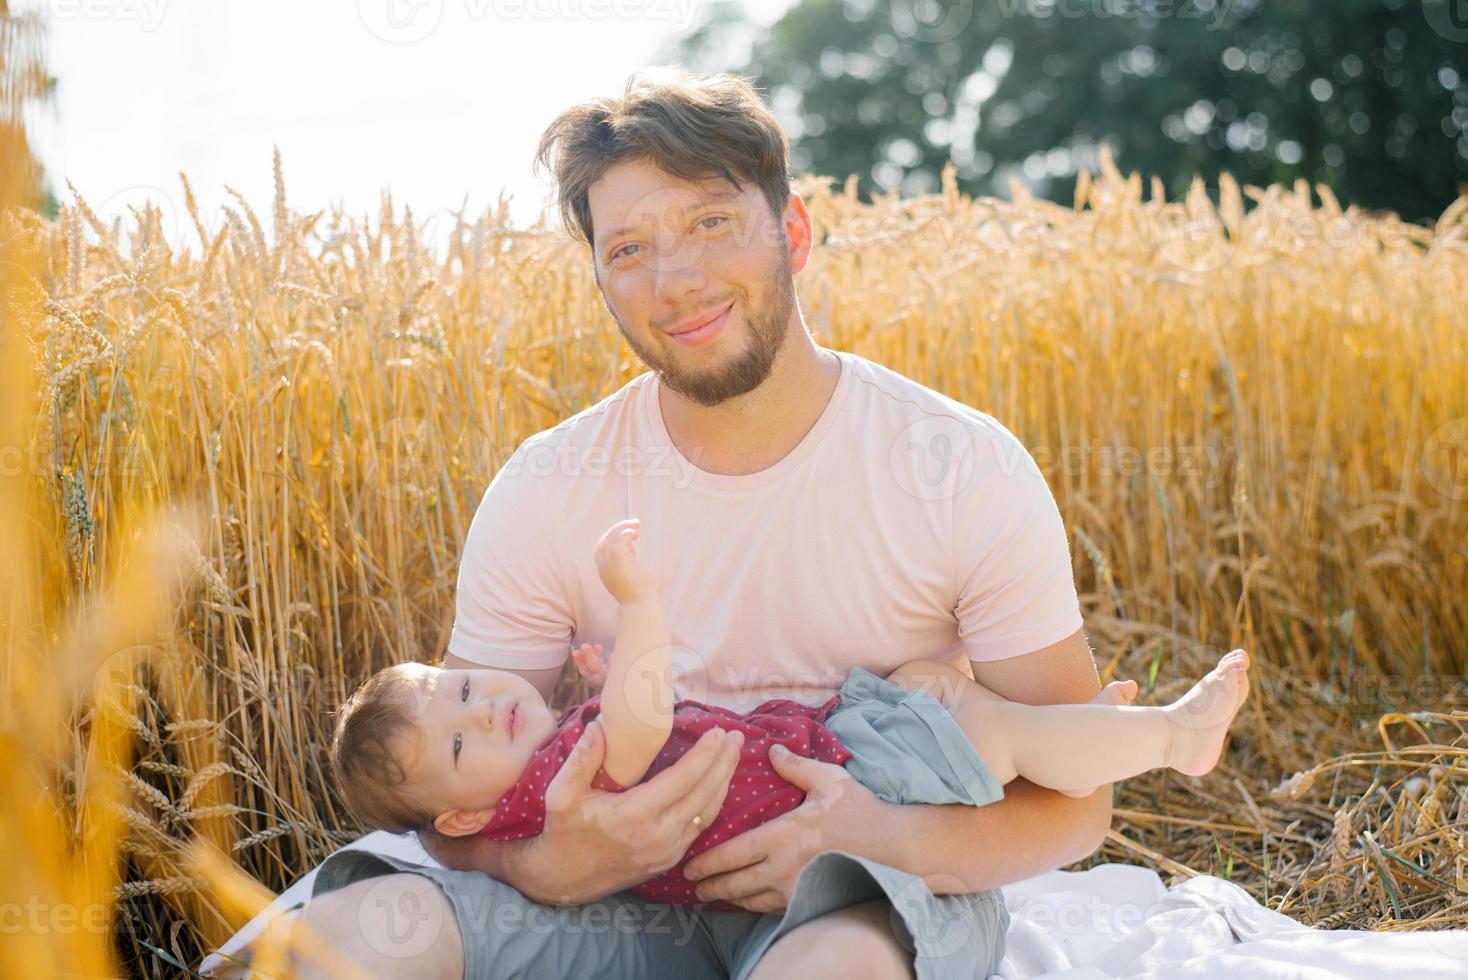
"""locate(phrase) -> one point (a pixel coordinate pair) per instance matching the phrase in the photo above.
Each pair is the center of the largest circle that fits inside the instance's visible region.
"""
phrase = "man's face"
(669, 251)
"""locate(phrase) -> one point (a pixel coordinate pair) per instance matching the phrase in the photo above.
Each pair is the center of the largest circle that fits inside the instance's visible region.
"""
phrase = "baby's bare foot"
(1200, 718)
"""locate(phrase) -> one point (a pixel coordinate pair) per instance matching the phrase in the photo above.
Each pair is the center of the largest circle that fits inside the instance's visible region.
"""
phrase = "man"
(808, 510)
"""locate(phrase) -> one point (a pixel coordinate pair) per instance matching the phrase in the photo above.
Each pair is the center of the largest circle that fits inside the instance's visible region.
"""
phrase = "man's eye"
(621, 251)
(713, 217)
(458, 744)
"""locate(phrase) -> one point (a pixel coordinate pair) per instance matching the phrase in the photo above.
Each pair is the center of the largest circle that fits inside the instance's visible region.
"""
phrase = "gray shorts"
(906, 748)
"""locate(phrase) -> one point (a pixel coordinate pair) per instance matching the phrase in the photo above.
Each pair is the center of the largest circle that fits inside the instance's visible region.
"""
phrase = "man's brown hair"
(691, 126)
(374, 727)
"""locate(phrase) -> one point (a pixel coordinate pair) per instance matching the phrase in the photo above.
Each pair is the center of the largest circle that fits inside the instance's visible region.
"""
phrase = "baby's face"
(477, 730)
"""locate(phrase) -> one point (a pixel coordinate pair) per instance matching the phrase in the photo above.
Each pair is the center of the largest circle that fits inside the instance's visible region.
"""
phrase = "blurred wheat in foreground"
(236, 479)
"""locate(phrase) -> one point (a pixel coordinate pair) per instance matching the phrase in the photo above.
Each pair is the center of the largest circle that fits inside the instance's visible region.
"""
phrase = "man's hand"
(596, 842)
(757, 869)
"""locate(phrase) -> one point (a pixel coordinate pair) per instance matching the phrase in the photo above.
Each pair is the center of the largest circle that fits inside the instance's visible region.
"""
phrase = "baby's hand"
(616, 559)
(591, 663)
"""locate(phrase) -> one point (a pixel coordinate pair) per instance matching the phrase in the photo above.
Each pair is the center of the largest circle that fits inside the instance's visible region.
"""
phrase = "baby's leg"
(1074, 748)
(954, 689)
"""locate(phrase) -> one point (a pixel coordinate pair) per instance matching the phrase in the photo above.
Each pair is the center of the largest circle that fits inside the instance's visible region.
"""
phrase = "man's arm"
(610, 841)
(543, 680)
(1033, 829)
(956, 848)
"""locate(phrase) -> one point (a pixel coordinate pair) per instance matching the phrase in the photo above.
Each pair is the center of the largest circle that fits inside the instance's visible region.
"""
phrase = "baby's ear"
(462, 823)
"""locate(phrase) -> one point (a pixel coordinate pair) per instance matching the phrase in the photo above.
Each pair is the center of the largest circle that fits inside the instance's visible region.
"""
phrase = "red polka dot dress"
(756, 794)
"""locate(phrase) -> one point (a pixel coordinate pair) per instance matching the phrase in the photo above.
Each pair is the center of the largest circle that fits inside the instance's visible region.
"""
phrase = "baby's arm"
(637, 700)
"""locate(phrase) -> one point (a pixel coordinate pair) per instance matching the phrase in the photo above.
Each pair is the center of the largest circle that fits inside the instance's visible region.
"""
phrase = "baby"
(472, 751)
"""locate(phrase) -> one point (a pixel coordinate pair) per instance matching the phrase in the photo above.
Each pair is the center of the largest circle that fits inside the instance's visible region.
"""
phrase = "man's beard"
(768, 324)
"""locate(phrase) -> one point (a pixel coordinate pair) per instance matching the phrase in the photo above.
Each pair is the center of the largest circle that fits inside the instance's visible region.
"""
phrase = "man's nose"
(678, 271)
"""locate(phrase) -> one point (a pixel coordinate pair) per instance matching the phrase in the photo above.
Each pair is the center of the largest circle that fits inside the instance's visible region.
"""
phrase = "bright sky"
(432, 99)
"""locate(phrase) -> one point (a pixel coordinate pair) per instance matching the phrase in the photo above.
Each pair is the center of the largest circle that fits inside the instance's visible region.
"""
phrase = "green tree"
(1367, 96)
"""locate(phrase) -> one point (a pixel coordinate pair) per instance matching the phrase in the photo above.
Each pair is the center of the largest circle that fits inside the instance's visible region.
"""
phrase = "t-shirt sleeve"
(1016, 589)
(512, 610)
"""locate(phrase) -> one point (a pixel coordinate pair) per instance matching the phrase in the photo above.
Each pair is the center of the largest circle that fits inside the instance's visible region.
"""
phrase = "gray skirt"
(906, 748)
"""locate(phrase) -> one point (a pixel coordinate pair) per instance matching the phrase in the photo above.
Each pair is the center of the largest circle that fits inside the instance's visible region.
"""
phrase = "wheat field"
(237, 474)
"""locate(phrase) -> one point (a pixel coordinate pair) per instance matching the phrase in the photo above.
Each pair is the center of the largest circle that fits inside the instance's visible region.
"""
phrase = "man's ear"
(462, 823)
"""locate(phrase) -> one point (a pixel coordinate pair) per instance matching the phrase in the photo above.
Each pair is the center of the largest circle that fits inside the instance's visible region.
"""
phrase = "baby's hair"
(373, 728)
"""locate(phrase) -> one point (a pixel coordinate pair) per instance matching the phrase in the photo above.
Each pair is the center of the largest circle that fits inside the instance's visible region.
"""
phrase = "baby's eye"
(464, 691)
(458, 744)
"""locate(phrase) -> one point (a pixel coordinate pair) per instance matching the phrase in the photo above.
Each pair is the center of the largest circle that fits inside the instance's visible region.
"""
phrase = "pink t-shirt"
(904, 525)
(757, 793)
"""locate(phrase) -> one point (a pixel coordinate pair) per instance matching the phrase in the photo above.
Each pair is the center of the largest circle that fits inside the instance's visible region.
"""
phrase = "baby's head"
(418, 746)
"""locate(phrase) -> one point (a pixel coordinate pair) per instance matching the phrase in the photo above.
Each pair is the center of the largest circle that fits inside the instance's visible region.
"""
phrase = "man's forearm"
(512, 861)
(960, 848)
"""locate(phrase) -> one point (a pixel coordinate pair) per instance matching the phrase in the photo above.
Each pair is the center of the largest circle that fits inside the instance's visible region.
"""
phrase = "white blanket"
(1113, 921)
